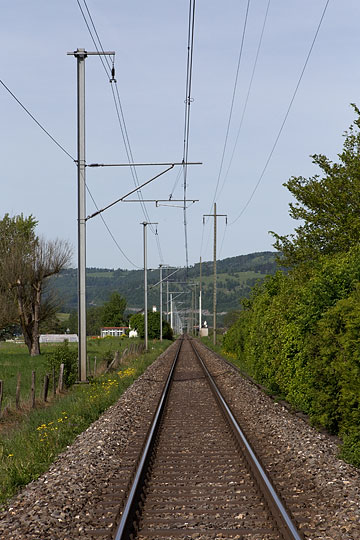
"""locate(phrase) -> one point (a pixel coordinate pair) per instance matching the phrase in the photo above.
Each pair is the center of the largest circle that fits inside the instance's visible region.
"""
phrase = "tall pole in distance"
(214, 300)
(145, 290)
(195, 310)
(145, 223)
(167, 300)
(171, 310)
(215, 215)
(200, 321)
(82, 353)
(161, 304)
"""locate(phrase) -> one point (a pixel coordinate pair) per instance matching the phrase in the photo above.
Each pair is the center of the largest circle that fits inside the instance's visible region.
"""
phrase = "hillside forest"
(235, 278)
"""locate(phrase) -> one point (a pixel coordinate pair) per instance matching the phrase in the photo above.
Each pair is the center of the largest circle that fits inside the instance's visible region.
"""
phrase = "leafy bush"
(64, 354)
(298, 335)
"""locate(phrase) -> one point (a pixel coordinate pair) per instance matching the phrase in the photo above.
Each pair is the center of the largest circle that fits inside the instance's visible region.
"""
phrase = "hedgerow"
(299, 335)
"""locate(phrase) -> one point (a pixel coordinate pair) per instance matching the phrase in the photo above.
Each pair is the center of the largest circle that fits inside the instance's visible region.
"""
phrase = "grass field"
(14, 359)
(28, 447)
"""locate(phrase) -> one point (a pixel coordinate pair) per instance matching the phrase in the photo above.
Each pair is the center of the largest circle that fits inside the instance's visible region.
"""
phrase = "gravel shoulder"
(324, 492)
(321, 491)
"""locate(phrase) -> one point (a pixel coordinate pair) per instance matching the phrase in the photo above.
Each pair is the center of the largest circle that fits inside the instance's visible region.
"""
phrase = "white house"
(114, 331)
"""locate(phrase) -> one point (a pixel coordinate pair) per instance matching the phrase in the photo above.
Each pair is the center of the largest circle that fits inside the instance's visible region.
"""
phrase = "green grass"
(63, 316)
(14, 359)
(27, 451)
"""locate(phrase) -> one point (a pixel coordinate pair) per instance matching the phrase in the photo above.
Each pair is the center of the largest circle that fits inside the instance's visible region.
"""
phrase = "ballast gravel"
(321, 491)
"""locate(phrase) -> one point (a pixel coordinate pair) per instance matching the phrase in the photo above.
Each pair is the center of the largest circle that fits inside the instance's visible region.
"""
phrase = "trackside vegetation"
(27, 450)
(299, 333)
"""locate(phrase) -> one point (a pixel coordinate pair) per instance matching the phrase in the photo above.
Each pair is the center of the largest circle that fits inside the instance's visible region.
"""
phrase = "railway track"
(197, 476)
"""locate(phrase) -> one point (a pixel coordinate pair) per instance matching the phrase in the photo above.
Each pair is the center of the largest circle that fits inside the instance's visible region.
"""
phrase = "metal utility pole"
(215, 215)
(171, 310)
(145, 223)
(192, 312)
(167, 300)
(80, 55)
(200, 321)
(161, 303)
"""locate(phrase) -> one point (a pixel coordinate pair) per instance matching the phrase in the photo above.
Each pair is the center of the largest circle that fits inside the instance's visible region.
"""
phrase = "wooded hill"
(236, 276)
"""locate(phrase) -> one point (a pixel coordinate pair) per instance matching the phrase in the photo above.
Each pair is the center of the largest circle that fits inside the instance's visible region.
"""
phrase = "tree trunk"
(35, 334)
(35, 346)
(30, 323)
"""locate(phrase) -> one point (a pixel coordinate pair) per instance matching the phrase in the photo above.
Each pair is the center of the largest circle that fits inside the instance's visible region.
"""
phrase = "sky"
(150, 44)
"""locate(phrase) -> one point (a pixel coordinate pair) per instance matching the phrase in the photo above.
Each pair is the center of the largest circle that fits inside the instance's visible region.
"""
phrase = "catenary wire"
(37, 122)
(285, 117)
(232, 101)
(247, 97)
(72, 158)
(222, 241)
(120, 114)
(188, 100)
(229, 122)
(109, 231)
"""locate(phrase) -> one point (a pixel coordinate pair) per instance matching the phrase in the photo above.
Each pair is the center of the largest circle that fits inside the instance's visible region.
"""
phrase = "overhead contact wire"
(119, 111)
(109, 231)
(189, 65)
(232, 102)
(36, 121)
(247, 97)
(285, 118)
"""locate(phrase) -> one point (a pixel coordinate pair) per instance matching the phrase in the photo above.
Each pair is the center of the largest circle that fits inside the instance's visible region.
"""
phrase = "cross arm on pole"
(143, 164)
(130, 193)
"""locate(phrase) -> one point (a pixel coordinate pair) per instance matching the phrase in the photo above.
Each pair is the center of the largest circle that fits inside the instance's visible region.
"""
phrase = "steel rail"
(284, 521)
(126, 525)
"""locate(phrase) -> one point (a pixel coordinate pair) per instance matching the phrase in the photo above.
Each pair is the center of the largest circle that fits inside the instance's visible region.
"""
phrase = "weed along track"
(198, 480)
(197, 477)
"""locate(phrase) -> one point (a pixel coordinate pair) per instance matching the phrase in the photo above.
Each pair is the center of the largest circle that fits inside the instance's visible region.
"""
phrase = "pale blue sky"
(150, 40)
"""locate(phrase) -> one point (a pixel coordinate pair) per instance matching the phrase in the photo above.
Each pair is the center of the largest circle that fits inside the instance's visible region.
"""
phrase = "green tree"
(94, 317)
(328, 206)
(137, 323)
(26, 261)
(113, 311)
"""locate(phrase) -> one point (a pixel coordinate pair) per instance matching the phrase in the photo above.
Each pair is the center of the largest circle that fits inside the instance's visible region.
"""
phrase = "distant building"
(114, 331)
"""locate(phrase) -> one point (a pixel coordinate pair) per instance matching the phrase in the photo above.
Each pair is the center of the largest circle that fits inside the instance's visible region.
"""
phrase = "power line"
(188, 100)
(222, 241)
(36, 121)
(111, 234)
(73, 159)
(232, 101)
(110, 73)
(247, 96)
(285, 118)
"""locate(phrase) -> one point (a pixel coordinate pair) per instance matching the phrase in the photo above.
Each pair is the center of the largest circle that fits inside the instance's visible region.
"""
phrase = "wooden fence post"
(95, 366)
(54, 382)
(1, 393)
(46, 386)
(61, 378)
(33, 383)
(18, 387)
